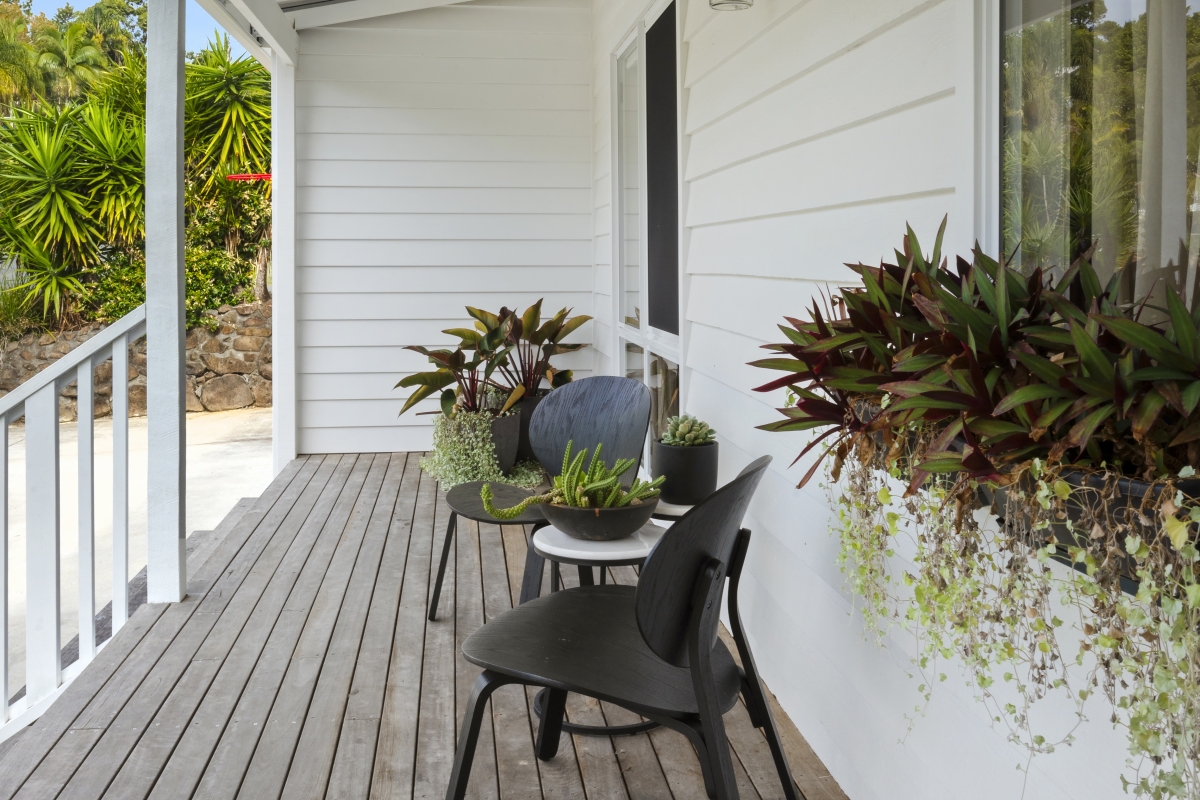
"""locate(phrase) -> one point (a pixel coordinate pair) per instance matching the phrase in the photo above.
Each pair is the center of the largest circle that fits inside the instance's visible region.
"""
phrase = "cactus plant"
(597, 486)
(687, 431)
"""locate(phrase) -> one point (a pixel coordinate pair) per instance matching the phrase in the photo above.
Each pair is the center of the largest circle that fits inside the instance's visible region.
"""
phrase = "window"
(1100, 139)
(646, 206)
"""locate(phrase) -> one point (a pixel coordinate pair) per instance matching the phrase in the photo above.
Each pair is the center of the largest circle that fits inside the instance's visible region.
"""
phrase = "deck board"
(301, 665)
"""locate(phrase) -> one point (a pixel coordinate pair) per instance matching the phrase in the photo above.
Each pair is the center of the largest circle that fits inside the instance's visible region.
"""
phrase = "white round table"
(556, 546)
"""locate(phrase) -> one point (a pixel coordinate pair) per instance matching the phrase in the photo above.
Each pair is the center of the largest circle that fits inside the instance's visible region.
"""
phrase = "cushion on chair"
(465, 501)
(586, 640)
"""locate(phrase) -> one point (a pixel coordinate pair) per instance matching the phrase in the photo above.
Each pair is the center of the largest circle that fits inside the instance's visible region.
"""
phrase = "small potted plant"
(589, 502)
(686, 459)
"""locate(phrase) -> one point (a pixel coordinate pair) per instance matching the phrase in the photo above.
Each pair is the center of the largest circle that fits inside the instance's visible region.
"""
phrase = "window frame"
(653, 341)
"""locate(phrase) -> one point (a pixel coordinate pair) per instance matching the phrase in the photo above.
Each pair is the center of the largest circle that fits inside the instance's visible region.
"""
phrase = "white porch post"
(283, 259)
(166, 575)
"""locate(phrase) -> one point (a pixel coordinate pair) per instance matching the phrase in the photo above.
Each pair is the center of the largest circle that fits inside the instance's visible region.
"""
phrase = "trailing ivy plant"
(947, 392)
(463, 451)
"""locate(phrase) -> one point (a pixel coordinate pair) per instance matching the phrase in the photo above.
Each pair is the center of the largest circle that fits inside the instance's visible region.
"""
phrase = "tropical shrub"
(71, 175)
(214, 278)
(1042, 398)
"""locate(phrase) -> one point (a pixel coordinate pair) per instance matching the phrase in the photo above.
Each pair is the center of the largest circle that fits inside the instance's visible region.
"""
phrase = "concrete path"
(228, 458)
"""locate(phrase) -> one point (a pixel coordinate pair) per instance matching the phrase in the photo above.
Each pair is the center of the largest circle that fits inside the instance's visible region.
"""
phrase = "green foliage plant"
(687, 431)
(72, 193)
(214, 278)
(463, 452)
(520, 346)
(595, 486)
(16, 318)
(505, 352)
(939, 392)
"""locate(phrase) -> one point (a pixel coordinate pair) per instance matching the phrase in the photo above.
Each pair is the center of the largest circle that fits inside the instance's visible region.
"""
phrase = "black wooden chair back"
(667, 581)
(603, 409)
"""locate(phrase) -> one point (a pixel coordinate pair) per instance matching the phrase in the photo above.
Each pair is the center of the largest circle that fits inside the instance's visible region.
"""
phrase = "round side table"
(558, 548)
(669, 512)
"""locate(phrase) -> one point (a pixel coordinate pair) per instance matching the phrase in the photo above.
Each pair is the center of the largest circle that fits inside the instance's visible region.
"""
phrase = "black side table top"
(464, 500)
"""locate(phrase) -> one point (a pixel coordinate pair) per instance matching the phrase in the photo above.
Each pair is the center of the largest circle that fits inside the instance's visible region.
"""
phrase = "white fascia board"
(268, 21)
(331, 13)
(236, 26)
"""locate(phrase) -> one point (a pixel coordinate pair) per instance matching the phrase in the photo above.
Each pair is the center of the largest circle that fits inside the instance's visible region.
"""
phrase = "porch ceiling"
(301, 665)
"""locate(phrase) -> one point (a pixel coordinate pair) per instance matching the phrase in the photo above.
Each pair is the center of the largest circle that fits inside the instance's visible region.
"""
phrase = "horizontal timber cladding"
(812, 131)
(444, 159)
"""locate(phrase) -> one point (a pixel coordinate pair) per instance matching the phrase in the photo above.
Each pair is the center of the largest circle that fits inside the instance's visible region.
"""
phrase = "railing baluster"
(4, 695)
(43, 663)
(120, 534)
(87, 512)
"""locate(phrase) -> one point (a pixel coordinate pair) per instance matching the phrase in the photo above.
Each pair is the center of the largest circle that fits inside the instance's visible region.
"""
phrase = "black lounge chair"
(652, 649)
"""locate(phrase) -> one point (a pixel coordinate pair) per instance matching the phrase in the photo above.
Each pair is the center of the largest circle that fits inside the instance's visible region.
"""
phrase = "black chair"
(652, 649)
(603, 409)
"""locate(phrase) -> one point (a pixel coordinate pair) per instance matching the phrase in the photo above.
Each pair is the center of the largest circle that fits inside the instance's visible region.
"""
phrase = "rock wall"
(226, 369)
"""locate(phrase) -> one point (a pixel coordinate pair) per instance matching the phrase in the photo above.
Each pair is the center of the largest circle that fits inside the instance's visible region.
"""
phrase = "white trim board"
(315, 15)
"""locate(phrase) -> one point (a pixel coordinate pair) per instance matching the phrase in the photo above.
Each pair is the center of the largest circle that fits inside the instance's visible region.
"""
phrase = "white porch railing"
(38, 400)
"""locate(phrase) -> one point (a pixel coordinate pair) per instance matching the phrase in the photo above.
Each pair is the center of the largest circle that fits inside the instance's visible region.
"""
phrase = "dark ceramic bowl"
(600, 524)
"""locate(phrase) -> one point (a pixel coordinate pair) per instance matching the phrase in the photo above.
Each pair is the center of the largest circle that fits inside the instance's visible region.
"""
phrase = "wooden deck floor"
(301, 665)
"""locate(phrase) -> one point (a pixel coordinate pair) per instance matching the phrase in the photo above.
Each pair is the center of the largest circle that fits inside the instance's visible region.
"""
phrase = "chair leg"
(760, 717)
(696, 736)
(555, 577)
(468, 737)
(451, 529)
(535, 565)
(550, 728)
(585, 576)
(721, 763)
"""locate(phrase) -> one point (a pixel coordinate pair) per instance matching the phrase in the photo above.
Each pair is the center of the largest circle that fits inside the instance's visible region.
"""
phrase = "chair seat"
(465, 501)
(586, 640)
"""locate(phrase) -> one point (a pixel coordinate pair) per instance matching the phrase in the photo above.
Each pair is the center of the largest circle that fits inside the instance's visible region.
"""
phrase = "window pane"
(664, 393)
(635, 362)
(629, 162)
(662, 174)
(1101, 132)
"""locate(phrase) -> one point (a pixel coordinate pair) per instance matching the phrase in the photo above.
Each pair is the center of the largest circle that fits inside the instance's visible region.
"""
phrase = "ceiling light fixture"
(730, 5)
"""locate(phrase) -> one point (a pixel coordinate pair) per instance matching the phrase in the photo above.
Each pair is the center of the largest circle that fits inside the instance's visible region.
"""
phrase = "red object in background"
(253, 176)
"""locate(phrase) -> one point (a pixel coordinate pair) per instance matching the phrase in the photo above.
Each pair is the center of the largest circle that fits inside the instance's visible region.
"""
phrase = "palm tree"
(69, 54)
(19, 76)
(107, 25)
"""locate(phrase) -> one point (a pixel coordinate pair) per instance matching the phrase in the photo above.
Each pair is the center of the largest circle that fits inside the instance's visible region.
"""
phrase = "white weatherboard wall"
(813, 131)
(443, 160)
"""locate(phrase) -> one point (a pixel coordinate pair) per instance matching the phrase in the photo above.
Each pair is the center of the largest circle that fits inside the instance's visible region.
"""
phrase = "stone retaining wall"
(226, 369)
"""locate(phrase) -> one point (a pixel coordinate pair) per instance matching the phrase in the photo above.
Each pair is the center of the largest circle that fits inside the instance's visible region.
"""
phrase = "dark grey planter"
(691, 472)
(600, 524)
(506, 435)
(526, 407)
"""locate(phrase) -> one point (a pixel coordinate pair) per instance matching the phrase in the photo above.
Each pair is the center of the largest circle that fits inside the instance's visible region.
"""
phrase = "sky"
(200, 26)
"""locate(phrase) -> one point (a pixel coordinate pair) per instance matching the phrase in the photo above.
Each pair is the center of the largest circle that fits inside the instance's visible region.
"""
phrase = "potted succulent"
(588, 502)
(1074, 417)
(686, 458)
